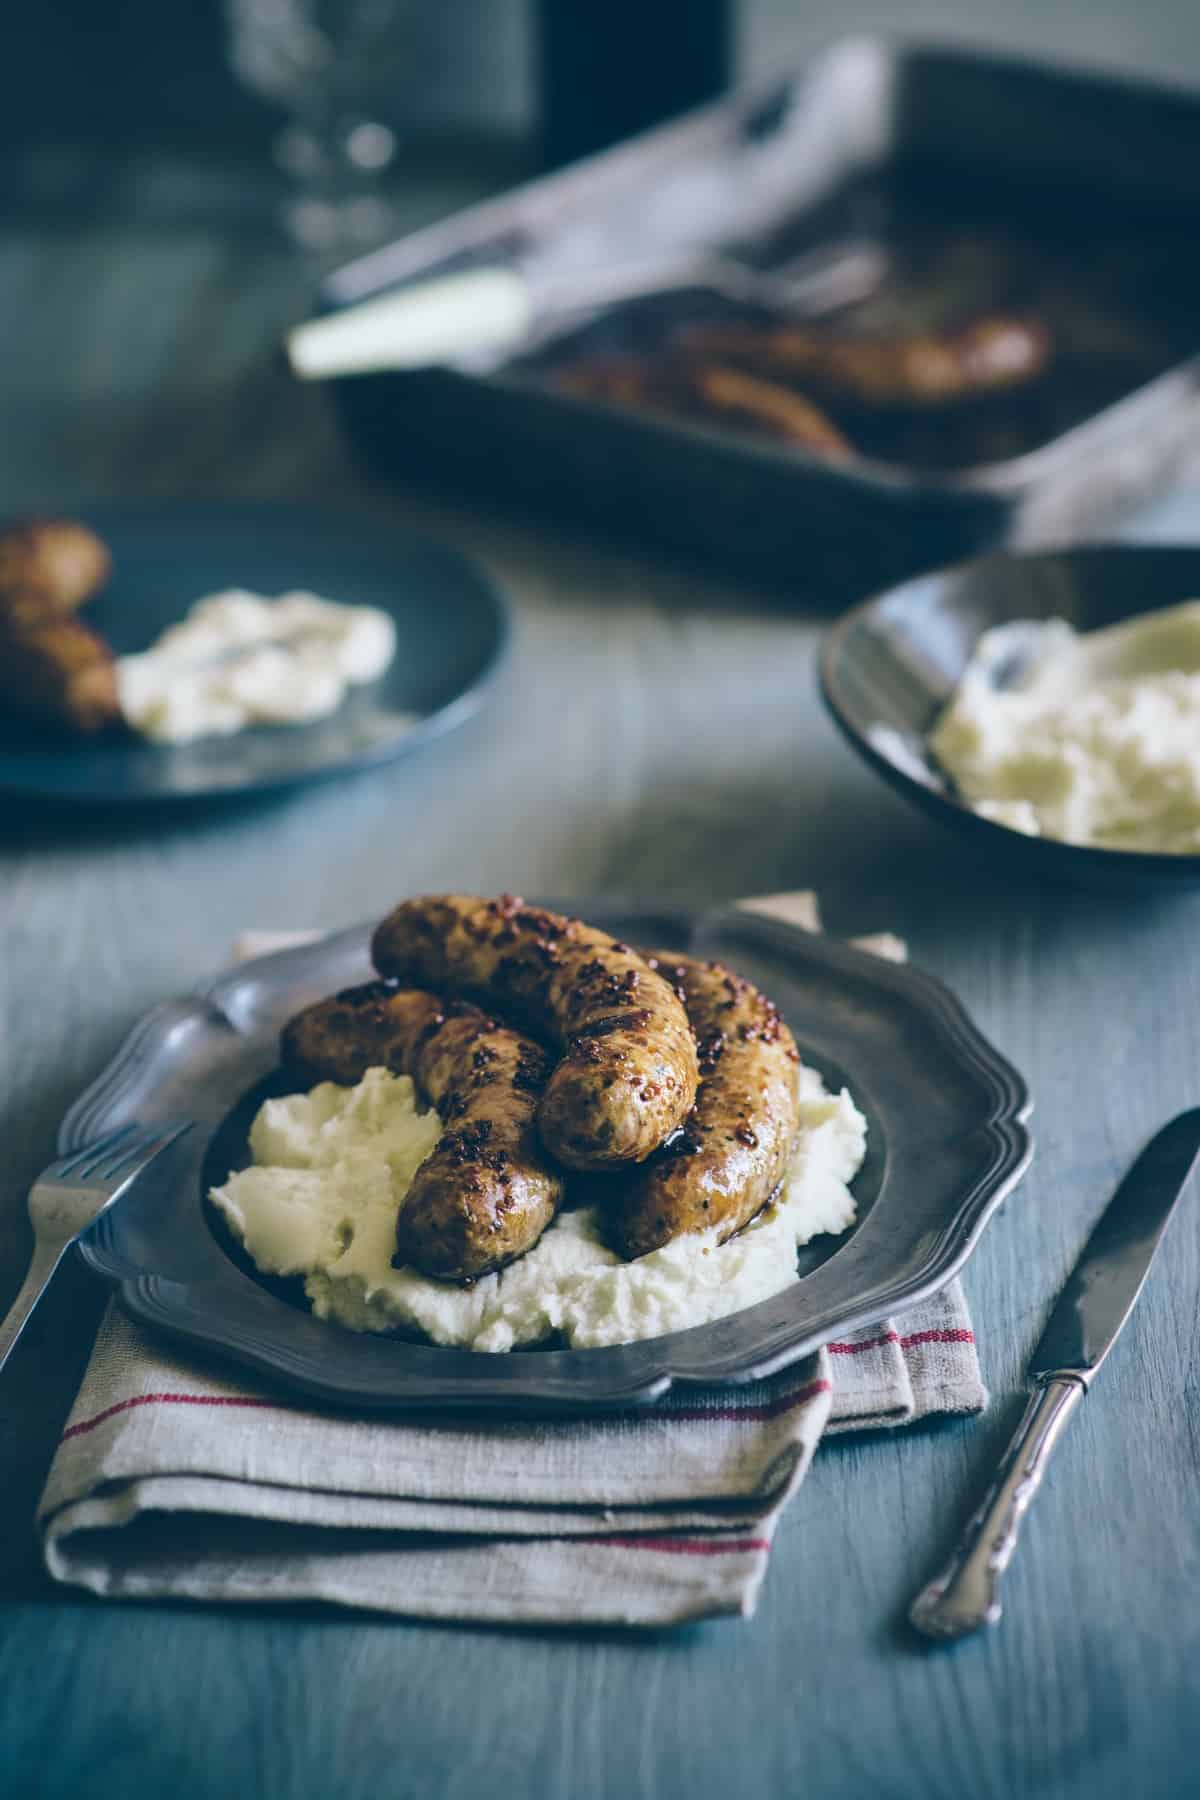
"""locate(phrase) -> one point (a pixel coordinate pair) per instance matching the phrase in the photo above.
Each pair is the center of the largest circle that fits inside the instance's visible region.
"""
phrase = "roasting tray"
(1069, 191)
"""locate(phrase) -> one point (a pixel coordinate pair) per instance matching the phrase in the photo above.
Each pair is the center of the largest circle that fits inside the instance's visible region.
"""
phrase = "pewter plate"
(947, 1137)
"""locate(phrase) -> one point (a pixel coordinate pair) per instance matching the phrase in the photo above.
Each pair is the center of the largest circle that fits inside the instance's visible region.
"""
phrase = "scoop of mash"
(332, 1168)
(241, 659)
(1091, 739)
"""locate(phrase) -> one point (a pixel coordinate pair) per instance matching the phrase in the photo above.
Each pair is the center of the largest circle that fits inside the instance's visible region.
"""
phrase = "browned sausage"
(628, 1073)
(714, 392)
(782, 412)
(618, 380)
(485, 1194)
(56, 564)
(339, 1039)
(54, 669)
(922, 372)
(734, 1148)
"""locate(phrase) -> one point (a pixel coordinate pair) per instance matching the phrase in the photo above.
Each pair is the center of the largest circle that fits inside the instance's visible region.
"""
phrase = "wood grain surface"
(655, 734)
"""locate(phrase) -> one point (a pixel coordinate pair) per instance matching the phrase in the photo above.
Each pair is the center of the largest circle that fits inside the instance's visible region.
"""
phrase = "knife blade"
(1085, 1322)
(1102, 1290)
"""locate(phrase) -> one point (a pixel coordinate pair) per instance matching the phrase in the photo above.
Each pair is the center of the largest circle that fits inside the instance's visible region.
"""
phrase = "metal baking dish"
(1076, 177)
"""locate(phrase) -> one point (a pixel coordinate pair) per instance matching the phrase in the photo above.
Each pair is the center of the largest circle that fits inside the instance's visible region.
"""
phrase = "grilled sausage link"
(56, 670)
(627, 1076)
(922, 372)
(368, 1027)
(734, 1148)
(715, 392)
(485, 1194)
(51, 565)
(728, 392)
(53, 667)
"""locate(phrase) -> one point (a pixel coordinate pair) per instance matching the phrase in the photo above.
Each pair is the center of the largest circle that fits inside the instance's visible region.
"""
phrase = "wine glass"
(331, 64)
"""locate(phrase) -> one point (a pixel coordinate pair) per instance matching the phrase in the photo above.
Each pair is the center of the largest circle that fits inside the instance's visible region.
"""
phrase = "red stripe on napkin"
(684, 1546)
(955, 1335)
(165, 1400)
(767, 1409)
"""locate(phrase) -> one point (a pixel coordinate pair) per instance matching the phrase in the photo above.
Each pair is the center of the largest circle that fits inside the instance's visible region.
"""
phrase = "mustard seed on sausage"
(733, 1150)
(627, 1074)
(486, 1193)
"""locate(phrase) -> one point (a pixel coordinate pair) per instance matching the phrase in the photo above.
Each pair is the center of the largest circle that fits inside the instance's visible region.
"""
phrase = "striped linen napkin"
(172, 1479)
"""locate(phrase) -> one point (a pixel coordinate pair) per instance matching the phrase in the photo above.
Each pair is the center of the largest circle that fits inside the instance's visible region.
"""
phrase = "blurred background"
(177, 178)
(118, 73)
(461, 82)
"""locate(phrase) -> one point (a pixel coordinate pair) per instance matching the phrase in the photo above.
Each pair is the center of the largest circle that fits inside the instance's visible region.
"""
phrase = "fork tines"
(118, 1150)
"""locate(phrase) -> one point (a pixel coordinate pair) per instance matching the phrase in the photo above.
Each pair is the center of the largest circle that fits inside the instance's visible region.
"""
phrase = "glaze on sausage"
(486, 1193)
(628, 1072)
(734, 1148)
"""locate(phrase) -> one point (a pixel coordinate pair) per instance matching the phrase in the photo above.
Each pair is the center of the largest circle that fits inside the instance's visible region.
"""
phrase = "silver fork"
(70, 1195)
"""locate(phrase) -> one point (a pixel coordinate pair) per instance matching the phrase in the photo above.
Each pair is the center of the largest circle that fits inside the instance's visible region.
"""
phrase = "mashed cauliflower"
(1091, 739)
(331, 1169)
(240, 659)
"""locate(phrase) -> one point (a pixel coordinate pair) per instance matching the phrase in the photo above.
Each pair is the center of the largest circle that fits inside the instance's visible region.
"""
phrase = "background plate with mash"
(451, 632)
(890, 666)
(947, 1140)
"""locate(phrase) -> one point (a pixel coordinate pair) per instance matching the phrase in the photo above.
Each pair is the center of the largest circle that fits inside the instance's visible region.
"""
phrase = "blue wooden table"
(136, 360)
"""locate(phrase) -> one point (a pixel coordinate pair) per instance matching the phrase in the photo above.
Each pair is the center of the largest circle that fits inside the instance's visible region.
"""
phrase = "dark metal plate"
(451, 632)
(947, 1116)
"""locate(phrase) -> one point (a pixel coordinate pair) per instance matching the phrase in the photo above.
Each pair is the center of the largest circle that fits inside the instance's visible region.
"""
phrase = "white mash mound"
(1089, 738)
(332, 1168)
(240, 659)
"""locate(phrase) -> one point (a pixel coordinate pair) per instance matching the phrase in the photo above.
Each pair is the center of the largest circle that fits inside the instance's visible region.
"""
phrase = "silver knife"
(1083, 1328)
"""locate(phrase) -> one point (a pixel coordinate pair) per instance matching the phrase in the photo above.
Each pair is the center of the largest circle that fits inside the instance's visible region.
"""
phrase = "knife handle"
(966, 1594)
(414, 327)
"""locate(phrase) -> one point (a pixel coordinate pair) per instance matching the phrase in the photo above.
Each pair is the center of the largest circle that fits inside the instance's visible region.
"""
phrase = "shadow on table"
(978, 1443)
(326, 1615)
(36, 825)
(37, 1388)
